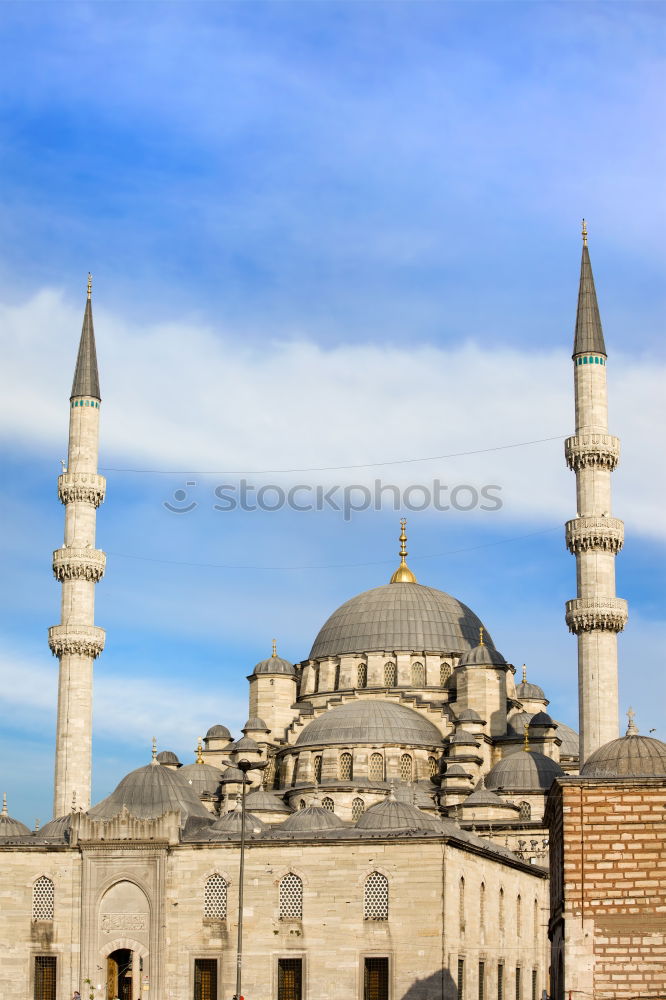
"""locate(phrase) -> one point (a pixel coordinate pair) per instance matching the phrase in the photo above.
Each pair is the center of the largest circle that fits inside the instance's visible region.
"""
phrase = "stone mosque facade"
(395, 782)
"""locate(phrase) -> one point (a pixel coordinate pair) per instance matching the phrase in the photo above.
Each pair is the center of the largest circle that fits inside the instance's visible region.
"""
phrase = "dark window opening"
(205, 979)
(376, 979)
(290, 978)
(45, 977)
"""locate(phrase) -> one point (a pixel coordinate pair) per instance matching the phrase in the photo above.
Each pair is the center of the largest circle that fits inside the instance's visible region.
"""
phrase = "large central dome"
(400, 616)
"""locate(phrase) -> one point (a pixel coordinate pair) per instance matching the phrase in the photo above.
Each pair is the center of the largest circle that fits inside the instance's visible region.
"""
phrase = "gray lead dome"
(370, 722)
(403, 616)
(632, 756)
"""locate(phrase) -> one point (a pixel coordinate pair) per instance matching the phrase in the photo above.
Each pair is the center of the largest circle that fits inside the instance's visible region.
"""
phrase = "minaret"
(593, 536)
(78, 565)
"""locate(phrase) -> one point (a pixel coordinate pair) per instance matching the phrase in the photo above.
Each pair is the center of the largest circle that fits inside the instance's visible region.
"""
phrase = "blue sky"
(322, 234)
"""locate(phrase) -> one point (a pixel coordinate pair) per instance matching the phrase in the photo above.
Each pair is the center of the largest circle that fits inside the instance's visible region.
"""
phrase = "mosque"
(384, 820)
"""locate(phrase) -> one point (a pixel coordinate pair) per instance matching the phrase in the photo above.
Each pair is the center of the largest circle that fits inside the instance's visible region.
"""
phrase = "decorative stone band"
(80, 640)
(589, 614)
(78, 564)
(584, 534)
(589, 450)
(86, 487)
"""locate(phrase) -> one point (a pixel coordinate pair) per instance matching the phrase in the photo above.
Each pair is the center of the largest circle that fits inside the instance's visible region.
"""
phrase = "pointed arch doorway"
(119, 977)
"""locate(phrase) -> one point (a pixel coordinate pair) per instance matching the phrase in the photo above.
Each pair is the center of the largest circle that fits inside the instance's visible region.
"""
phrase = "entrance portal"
(119, 975)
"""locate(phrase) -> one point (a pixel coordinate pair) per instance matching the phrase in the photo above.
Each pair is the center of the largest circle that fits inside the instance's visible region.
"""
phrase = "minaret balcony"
(591, 614)
(78, 564)
(584, 451)
(587, 534)
(81, 487)
(77, 640)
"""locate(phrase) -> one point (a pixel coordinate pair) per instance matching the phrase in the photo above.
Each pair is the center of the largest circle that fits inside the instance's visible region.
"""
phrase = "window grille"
(535, 984)
(45, 977)
(460, 992)
(301, 804)
(328, 804)
(482, 905)
(362, 675)
(215, 898)
(525, 811)
(376, 979)
(205, 979)
(390, 675)
(501, 909)
(482, 981)
(358, 808)
(345, 767)
(432, 767)
(444, 674)
(461, 904)
(500, 982)
(317, 770)
(376, 769)
(291, 897)
(418, 675)
(519, 984)
(290, 978)
(519, 916)
(376, 897)
(406, 769)
(43, 895)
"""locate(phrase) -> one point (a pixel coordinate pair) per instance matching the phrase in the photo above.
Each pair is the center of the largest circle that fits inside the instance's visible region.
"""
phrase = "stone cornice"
(589, 614)
(124, 827)
(586, 534)
(592, 450)
(80, 640)
(82, 487)
(78, 564)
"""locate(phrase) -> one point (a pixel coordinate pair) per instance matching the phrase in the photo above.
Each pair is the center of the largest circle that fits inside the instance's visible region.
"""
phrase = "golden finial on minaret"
(154, 750)
(403, 574)
(584, 233)
(200, 759)
(526, 743)
(274, 653)
(89, 286)
(481, 631)
(524, 674)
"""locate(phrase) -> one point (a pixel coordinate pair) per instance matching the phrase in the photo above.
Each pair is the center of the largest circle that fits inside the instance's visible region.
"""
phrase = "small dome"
(231, 822)
(231, 774)
(462, 738)
(455, 771)
(204, 778)
(543, 719)
(482, 796)
(396, 816)
(150, 792)
(274, 665)
(482, 655)
(312, 818)
(56, 829)
(515, 726)
(370, 721)
(218, 733)
(570, 741)
(168, 757)
(524, 771)
(529, 692)
(468, 715)
(632, 756)
(263, 801)
(10, 827)
(246, 743)
(398, 616)
(255, 725)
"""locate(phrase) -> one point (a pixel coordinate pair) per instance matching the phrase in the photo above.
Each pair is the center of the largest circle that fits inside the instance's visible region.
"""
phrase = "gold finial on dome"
(89, 285)
(524, 674)
(584, 233)
(200, 759)
(526, 731)
(274, 653)
(481, 631)
(403, 574)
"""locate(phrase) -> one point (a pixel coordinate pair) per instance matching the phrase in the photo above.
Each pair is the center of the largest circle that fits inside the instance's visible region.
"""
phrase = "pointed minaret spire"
(589, 336)
(86, 377)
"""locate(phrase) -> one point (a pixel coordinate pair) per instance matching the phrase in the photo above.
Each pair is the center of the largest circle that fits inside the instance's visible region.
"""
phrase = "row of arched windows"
(358, 806)
(376, 767)
(290, 897)
(418, 675)
(518, 923)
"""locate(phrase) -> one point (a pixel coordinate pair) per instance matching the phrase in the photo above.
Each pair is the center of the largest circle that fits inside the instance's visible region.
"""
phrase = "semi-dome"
(204, 778)
(631, 756)
(312, 818)
(150, 792)
(399, 616)
(218, 733)
(524, 771)
(370, 721)
(392, 815)
(10, 827)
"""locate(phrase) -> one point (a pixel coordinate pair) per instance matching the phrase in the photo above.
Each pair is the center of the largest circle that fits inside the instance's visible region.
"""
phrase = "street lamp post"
(244, 766)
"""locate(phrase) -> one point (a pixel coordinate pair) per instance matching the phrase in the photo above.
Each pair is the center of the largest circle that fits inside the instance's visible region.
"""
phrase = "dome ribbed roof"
(632, 756)
(482, 655)
(231, 823)
(246, 743)
(398, 616)
(524, 771)
(57, 829)
(529, 692)
(167, 757)
(150, 792)
(263, 801)
(218, 732)
(10, 827)
(515, 726)
(275, 665)
(393, 815)
(543, 719)
(370, 721)
(570, 740)
(312, 818)
(254, 725)
(202, 777)
(482, 796)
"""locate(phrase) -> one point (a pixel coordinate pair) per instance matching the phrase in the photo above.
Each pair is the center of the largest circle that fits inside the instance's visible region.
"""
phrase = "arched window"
(215, 898)
(418, 675)
(432, 767)
(390, 675)
(291, 897)
(327, 804)
(525, 811)
(519, 916)
(345, 767)
(376, 897)
(317, 769)
(406, 768)
(461, 904)
(444, 674)
(501, 909)
(376, 768)
(358, 808)
(301, 804)
(43, 897)
(482, 905)
(362, 675)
